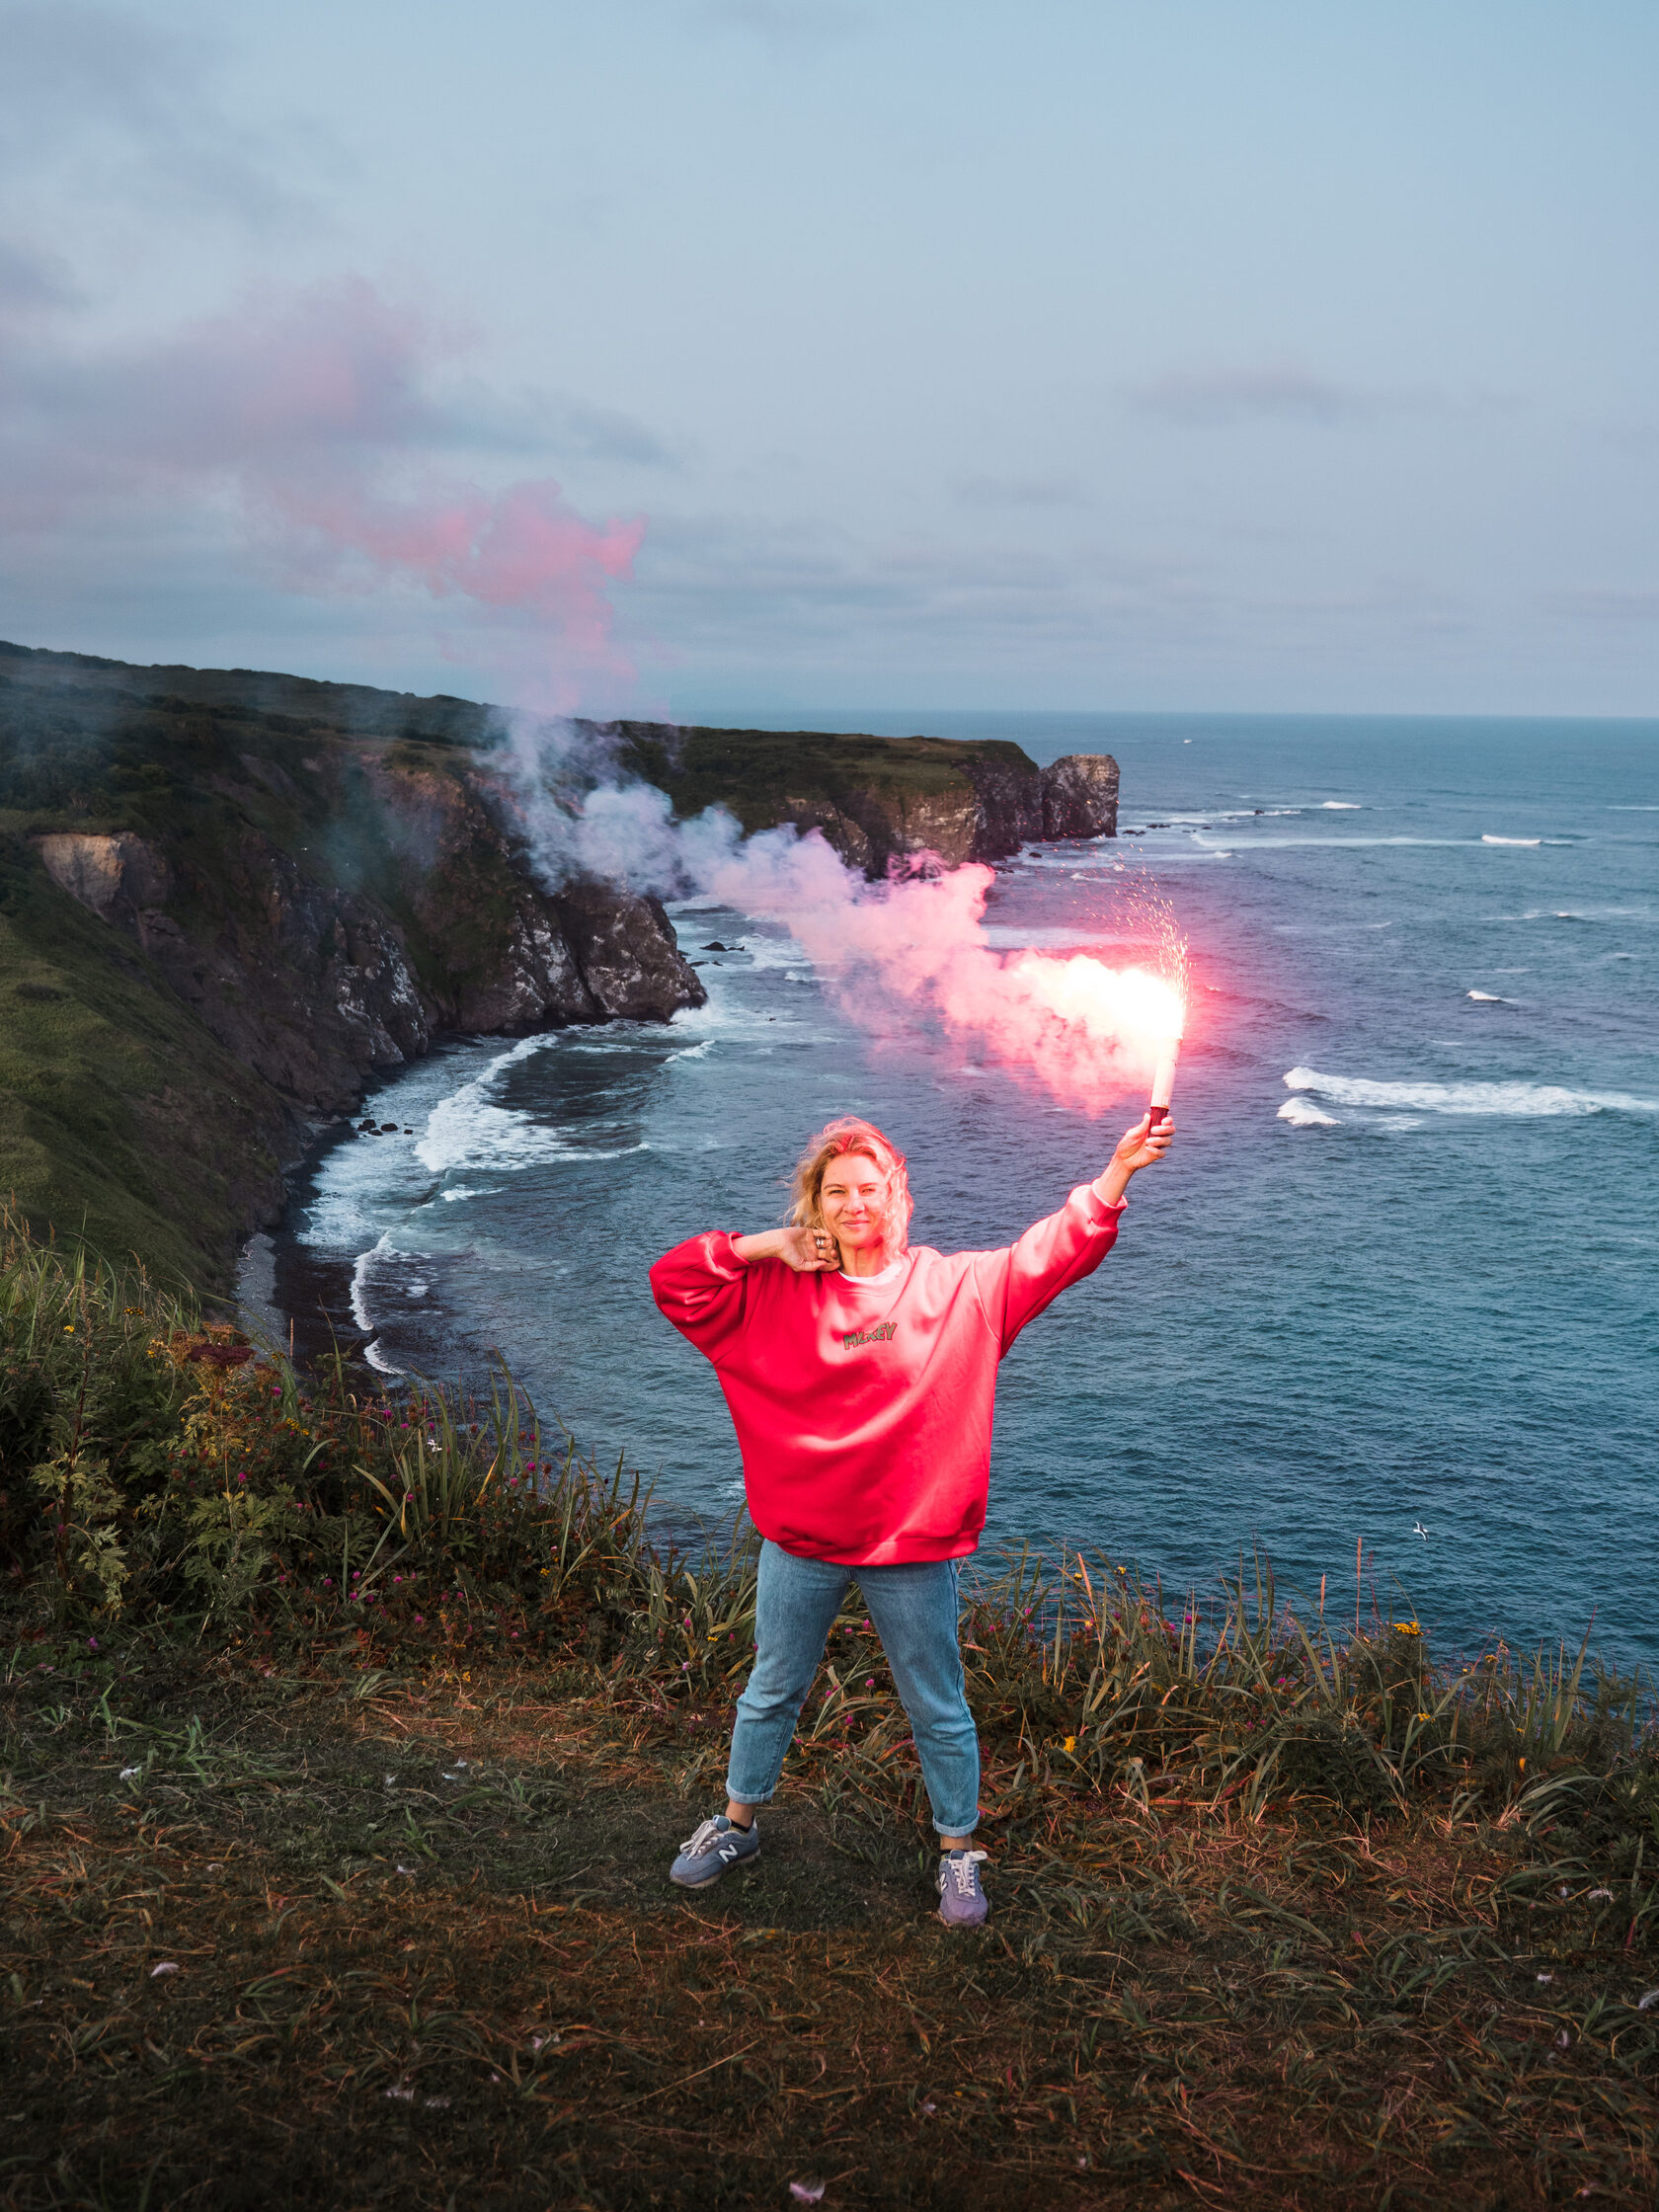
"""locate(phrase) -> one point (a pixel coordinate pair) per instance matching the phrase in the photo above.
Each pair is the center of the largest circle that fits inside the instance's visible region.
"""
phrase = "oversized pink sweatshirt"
(863, 1409)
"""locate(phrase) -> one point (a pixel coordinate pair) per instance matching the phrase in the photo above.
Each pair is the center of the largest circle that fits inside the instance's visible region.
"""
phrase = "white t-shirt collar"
(882, 1275)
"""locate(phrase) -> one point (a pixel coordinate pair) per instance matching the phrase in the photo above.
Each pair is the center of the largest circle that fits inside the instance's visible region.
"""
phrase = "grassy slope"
(425, 1955)
(751, 772)
(122, 1119)
(121, 1115)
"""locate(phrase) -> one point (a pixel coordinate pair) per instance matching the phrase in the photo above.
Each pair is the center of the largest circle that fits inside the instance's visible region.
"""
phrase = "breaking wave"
(1528, 1101)
(1301, 1113)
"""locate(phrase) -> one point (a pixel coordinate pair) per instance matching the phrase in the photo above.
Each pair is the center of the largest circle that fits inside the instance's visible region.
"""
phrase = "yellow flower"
(1070, 1743)
(1407, 1628)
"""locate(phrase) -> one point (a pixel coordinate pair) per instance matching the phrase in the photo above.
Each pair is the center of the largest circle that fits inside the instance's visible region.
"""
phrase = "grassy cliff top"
(751, 772)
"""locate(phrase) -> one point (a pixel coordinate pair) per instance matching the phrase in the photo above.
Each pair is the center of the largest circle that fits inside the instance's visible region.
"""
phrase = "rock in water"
(1081, 796)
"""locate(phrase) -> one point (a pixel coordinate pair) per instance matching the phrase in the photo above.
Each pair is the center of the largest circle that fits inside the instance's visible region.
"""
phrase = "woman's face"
(853, 1201)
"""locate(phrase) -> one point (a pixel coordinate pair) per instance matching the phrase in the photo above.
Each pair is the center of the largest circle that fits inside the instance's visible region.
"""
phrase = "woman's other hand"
(807, 1251)
(1137, 1148)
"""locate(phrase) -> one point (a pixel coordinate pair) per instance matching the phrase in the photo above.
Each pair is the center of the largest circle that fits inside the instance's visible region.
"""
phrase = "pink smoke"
(915, 947)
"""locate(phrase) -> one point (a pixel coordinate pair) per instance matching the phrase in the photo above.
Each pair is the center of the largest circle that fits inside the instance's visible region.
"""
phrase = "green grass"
(764, 776)
(122, 1119)
(373, 1722)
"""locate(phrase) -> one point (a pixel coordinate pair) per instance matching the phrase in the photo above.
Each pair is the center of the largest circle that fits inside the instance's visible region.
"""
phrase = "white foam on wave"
(1301, 1113)
(775, 952)
(1524, 1101)
(1487, 838)
(1488, 998)
(1342, 806)
(359, 1283)
(469, 1129)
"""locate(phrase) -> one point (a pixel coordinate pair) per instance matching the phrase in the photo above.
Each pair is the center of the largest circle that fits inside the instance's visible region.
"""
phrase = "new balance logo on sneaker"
(718, 1844)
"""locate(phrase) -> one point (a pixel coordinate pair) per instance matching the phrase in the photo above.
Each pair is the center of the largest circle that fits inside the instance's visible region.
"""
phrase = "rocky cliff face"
(321, 903)
(1081, 796)
(317, 987)
(233, 898)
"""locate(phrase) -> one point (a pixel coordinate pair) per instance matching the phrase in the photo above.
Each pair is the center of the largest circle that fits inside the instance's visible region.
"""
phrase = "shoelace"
(704, 1837)
(962, 1869)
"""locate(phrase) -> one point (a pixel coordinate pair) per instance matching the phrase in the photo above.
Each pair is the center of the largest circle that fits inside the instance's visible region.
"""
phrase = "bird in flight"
(1418, 1529)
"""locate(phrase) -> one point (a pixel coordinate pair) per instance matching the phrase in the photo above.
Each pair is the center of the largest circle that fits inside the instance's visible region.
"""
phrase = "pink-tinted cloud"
(315, 417)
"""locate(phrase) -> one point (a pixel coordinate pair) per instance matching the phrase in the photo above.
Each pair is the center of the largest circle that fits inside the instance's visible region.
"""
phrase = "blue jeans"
(913, 1611)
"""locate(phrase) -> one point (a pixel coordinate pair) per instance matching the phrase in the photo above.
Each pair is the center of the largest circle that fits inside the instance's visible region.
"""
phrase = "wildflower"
(1406, 1629)
(807, 2192)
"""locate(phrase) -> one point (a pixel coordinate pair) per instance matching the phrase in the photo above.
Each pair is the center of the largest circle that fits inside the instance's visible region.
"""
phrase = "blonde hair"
(848, 1134)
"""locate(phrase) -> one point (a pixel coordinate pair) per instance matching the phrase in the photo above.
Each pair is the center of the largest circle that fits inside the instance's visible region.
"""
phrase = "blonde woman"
(861, 1375)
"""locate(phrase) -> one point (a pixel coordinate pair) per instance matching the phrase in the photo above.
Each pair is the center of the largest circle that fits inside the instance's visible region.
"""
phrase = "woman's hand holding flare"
(1137, 1148)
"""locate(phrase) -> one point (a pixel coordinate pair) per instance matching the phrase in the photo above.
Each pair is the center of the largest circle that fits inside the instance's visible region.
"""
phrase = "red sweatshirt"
(863, 1409)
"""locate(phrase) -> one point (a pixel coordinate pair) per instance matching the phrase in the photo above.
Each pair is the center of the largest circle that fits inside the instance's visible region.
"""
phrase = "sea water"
(1394, 1293)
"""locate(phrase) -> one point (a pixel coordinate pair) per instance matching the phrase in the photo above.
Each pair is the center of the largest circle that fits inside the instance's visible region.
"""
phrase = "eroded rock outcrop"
(1079, 796)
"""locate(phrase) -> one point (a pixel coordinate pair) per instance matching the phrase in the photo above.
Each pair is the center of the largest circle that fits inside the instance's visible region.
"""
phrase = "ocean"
(1398, 1277)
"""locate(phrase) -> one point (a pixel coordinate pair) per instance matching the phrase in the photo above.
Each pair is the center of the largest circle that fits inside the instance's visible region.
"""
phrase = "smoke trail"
(894, 957)
(913, 949)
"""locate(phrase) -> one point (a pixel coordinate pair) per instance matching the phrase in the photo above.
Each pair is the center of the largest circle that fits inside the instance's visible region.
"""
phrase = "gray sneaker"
(961, 1897)
(717, 1844)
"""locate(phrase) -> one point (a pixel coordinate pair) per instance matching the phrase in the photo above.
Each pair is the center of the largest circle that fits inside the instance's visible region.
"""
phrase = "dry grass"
(425, 1954)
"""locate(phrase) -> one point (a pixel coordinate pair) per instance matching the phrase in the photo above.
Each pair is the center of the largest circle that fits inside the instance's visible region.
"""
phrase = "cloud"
(1020, 491)
(1274, 393)
(1286, 392)
(308, 423)
(100, 105)
(1603, 603)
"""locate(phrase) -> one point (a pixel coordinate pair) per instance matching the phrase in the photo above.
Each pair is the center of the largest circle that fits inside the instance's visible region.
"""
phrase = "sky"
(776, 358)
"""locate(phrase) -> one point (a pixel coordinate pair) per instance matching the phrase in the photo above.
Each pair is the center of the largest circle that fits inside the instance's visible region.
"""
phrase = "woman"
(861, 1376)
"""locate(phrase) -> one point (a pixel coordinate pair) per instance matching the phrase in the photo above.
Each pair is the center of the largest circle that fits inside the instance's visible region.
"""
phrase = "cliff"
(230, 900)
(877, 799)
(227, 902)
